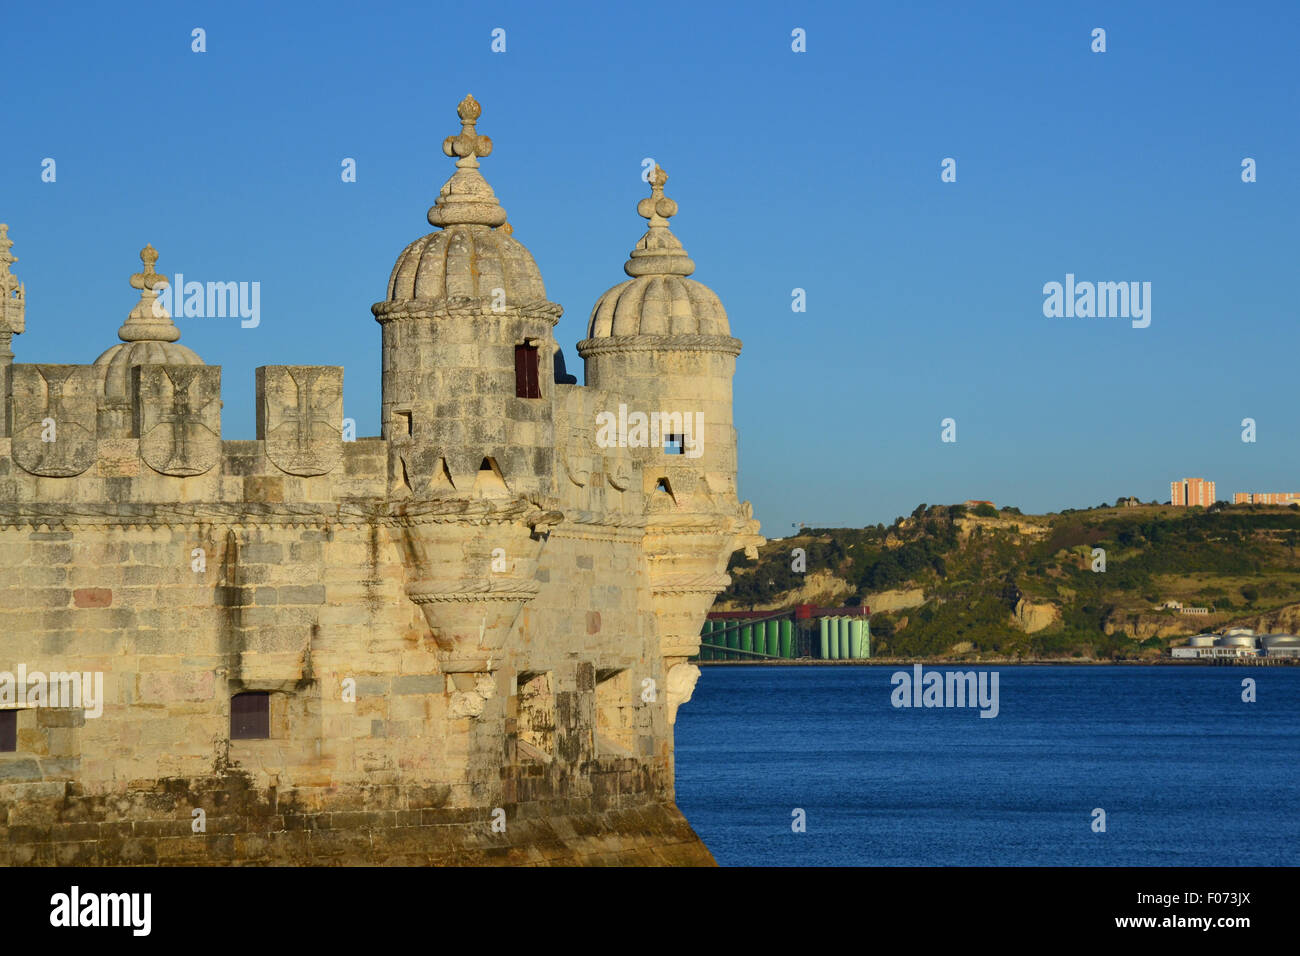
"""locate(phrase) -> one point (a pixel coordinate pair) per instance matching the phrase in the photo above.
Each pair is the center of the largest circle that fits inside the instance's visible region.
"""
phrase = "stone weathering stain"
(483, 608)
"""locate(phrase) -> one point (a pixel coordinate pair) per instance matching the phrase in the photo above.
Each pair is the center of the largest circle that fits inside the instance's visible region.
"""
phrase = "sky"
(817, 170)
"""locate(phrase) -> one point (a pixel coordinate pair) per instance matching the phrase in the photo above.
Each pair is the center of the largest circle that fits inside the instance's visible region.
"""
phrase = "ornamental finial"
(148, 279)
(466, 199)
(658, 208)
(469, 144)
(13, 296)
(659, 252)
(149, 321)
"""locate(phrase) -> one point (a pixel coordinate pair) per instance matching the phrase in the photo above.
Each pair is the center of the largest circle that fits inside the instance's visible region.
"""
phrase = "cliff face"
(1283, 620)
(1032, 618)
(819, 587)
(1144, 626)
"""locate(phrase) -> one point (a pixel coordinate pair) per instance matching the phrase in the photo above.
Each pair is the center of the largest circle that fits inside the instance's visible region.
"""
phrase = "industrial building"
(1238, 642)
(821, 633)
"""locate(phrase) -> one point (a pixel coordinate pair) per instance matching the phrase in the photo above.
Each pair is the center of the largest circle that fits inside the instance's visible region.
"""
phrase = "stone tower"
(464, 640)
(461, 301)
(661, 341)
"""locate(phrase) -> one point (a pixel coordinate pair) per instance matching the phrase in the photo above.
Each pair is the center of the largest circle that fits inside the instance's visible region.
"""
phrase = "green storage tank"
(855, 639)
(733, 638)
(835, 638)
(746, 640)
(866, 638)
(824, 640)
(787, 639)
(774, 638)
(706, 649)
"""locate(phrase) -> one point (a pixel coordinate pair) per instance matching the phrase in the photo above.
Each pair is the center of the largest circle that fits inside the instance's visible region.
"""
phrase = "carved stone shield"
(54, 409)
(178, 417)
(300, 417)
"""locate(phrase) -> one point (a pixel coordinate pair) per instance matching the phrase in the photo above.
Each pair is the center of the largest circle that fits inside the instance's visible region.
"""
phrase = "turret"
(661, 343)
(468, 345)
(468, 411)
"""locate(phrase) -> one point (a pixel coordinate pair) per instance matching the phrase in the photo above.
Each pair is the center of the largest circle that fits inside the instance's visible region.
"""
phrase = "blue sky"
(816, 170)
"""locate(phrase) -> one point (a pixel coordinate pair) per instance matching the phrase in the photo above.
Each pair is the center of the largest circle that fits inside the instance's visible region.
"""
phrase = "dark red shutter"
(527, 384)
(521, 371)
(534, 385)
(8, 731)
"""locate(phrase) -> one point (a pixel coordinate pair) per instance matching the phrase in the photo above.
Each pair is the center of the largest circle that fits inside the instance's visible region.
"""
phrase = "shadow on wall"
(562, 377)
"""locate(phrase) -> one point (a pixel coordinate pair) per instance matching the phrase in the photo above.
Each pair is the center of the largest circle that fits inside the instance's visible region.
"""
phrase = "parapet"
(64, 449)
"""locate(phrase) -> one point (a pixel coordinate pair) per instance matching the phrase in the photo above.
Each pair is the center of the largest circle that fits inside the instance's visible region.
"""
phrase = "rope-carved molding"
(660, 343)
(466, 306)
(504, 591)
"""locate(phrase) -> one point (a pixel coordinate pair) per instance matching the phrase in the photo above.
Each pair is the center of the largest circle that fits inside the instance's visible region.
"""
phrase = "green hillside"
(998, 583)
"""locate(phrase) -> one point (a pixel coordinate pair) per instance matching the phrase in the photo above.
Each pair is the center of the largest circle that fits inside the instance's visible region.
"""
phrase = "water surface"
(1188, 774)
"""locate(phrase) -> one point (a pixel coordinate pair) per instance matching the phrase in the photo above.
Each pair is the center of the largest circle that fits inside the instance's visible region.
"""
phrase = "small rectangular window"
(674, 444)
(527, 383)
(250, 716)
(403, 422)
(8, 731)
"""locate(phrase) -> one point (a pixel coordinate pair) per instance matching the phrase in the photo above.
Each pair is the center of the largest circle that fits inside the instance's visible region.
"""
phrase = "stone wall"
(256, 580)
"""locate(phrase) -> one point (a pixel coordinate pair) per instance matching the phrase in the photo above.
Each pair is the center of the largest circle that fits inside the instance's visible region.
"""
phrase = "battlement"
(167, 447)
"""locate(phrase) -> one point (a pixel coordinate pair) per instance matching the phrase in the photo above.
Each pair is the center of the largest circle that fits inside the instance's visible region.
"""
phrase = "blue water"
(1187, 773)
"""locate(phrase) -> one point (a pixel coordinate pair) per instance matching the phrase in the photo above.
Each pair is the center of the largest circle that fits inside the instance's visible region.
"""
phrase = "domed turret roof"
(658, 300)
(466, 261)
(474, 259)
(149, 336)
